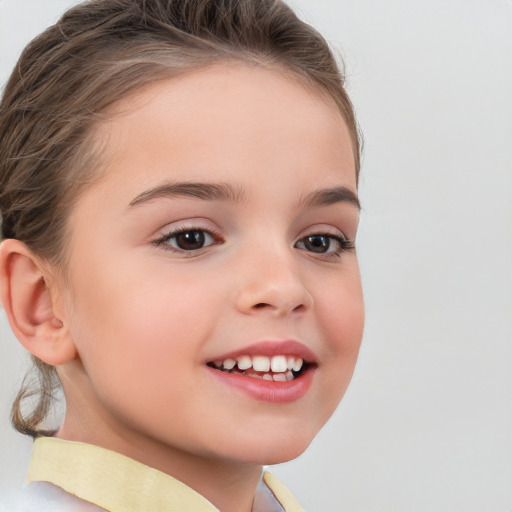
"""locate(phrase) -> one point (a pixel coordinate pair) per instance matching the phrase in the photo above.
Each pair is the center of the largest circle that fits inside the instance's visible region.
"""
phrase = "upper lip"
(269, 349)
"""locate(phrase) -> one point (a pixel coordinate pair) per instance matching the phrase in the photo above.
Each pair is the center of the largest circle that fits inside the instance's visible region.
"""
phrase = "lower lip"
(268, 391)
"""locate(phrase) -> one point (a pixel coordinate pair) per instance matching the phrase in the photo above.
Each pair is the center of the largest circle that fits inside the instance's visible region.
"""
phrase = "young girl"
(179, 208)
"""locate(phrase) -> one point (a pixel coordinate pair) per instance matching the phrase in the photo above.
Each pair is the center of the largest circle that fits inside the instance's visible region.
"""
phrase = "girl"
(179, 208)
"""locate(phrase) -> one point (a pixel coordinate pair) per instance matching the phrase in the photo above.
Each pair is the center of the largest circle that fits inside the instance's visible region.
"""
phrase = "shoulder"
(45, 497)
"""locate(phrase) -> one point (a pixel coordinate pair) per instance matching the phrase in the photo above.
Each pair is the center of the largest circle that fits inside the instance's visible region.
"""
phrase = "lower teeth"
(276, 377)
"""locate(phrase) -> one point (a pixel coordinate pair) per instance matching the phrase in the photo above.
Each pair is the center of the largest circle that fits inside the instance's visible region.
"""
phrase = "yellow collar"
(120, 484)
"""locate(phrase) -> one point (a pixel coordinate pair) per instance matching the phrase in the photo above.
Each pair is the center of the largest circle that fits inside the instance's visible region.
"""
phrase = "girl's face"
(221, 232)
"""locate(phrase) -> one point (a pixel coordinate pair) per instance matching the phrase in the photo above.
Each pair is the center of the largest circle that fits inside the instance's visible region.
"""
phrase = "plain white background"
(427, 422)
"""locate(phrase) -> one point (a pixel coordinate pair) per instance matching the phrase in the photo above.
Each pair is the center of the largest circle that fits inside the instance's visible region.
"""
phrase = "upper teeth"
(278, 364)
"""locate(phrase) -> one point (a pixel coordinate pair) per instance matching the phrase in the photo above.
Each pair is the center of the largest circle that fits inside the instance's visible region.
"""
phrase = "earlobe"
(28, 302)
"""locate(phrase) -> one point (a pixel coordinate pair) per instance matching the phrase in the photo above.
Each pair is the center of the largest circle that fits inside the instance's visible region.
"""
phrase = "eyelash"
(163, 241)
(344, 244)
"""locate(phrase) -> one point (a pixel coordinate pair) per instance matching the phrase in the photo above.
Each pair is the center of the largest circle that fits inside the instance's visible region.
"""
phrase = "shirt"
(71, 476)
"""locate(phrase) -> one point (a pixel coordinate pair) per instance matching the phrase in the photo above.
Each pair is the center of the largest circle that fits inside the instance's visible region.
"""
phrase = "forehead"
(225, 98)
(226, 123)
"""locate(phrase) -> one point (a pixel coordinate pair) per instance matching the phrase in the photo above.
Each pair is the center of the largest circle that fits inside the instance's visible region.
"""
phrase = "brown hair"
(97, 53)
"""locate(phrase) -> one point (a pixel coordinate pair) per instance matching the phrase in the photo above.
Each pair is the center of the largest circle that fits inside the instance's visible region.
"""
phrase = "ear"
(26, 291)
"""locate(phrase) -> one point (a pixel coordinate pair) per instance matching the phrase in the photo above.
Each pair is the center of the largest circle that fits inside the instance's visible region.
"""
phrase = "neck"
(229, 485)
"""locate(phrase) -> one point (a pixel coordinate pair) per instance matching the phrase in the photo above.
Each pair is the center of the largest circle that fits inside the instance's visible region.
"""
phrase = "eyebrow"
(205, 191)
(328, 196)
(227, 192)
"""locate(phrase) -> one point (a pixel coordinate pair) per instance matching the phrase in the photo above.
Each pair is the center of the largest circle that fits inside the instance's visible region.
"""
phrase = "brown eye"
(322, 243)
(190, 240)
(317, 243)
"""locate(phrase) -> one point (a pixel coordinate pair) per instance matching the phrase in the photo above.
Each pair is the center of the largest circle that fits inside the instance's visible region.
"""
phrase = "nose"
(272, 284)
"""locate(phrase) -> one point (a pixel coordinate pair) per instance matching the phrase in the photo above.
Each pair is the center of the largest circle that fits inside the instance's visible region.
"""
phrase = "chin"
(286, 456)
(283, 454)
(265, 449)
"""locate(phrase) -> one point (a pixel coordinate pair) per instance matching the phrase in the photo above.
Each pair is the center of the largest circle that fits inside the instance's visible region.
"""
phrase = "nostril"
(261, 305)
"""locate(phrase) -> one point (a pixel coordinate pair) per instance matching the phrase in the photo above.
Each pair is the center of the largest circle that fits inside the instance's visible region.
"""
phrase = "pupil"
(317, 243)
(190, 240)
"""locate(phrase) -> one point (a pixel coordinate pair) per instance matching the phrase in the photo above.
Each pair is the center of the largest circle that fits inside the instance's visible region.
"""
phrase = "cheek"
(138, 337)
(342, 311)
(341, 316)
(142, 322)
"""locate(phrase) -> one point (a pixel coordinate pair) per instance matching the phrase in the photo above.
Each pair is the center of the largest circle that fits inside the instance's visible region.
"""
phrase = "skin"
(140, 320)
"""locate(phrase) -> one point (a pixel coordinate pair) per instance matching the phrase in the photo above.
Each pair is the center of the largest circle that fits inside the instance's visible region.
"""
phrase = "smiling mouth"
(278, 368)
